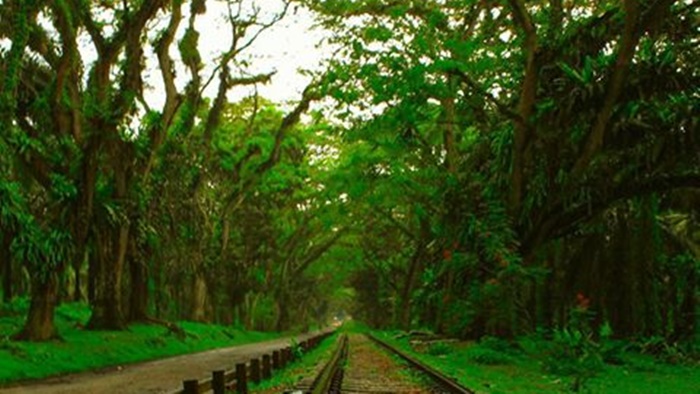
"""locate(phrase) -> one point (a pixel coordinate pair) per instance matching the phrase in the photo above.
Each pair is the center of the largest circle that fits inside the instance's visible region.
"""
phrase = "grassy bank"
(294, 372)
(496, 367)
(80, 349)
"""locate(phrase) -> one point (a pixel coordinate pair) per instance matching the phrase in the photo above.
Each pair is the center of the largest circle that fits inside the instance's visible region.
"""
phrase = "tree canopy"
(475, 167)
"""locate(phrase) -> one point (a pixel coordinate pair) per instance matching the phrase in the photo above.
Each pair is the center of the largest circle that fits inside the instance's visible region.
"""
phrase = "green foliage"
(522, 372)
(13, 207)
(17, 307)
(42, 250)
(660, 348)
(297, 350)
(439, 349)
(188, 47)
(408, 74)
(499, 345)
(298, 369)
(486, 356)
(574, 352)
(492, 351)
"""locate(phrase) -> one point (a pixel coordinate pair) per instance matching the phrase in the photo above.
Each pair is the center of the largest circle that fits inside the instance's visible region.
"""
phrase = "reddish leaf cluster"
(582, 301)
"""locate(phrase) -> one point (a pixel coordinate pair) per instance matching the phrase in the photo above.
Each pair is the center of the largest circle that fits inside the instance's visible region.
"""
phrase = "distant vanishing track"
(364, 364)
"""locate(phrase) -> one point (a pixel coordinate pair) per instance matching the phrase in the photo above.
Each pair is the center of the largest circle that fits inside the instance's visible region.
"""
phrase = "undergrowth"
(570, 360)
(301, 367)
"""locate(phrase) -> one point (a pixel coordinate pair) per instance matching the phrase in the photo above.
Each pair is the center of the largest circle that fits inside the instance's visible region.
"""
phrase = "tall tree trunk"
(199, 299)
(138, 297)
(7, 281)
(452, 203)
(687, 314)
(413, 273)
(39, 325)
(283, 318)
(107, 311)
(77, 266)
(648, 249)
(158, 289)
(6, 264)
(77, 291)
(621, 282)
(93, 265)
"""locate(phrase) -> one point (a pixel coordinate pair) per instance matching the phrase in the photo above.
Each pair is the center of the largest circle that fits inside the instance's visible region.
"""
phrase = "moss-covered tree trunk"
(198, 300)
(6, 266)
(138, 295)
(39, 325)
(686, 318)
(107, 312)
(648, 247)
(77, 285)
(412, 274)
(283, 317)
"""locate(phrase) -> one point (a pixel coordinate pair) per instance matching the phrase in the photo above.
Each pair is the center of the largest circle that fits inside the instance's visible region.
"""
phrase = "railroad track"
(363, 364)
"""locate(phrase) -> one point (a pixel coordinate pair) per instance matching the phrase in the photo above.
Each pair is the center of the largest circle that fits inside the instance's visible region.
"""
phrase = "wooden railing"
(254, 370)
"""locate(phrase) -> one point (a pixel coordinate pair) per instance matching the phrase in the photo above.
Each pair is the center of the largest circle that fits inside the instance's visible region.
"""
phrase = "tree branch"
(501, 107)
(628, 44)
(561, 221)
(310, 94)
(526, 105)
(167, 72)
(316, 253)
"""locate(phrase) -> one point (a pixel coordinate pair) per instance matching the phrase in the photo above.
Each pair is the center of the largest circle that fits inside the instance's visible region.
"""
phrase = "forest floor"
(496, 367)
(115, 360)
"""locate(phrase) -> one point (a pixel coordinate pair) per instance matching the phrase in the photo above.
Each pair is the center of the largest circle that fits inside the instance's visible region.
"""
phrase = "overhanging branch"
(561, 222)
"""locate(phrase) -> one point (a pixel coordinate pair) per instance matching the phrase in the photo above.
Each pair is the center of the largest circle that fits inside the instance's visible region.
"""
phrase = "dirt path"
(159, 376)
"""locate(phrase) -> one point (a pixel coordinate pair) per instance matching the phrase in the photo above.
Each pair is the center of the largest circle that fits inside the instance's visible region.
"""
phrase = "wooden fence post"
(255, 370)
(266, 367)
(241, 379)
(276, 360)
(218, 382)
(190, 386)
(283, 357)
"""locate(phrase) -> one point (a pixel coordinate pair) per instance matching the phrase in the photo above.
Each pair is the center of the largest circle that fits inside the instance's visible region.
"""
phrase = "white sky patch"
(291, 45)
(505, 36)
(5, 44)
(287, 47)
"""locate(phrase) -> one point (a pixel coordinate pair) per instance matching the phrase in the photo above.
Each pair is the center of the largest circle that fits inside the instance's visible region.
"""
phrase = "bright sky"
(287, 47)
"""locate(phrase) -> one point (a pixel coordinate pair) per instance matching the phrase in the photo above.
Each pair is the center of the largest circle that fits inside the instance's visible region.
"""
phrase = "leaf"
(571, 73)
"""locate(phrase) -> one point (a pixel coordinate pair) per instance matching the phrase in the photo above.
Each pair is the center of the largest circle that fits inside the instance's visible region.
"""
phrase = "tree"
(573, 102)
(92, 143)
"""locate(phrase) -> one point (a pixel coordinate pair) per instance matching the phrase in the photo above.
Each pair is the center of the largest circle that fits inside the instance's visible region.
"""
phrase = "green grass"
(355, 327)
(80, 350)
(288, 377)
(496, 370)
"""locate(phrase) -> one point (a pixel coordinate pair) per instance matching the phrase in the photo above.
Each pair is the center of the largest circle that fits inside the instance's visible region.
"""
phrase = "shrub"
(485, 356)
(499, 345)
(17, 307)
(13, 348)
(439, 349)
(297, 350)
(573, 351)
(659, 347)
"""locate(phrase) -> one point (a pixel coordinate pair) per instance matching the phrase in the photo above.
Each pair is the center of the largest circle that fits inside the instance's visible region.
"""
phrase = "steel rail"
(446, 383)
(325, 379)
